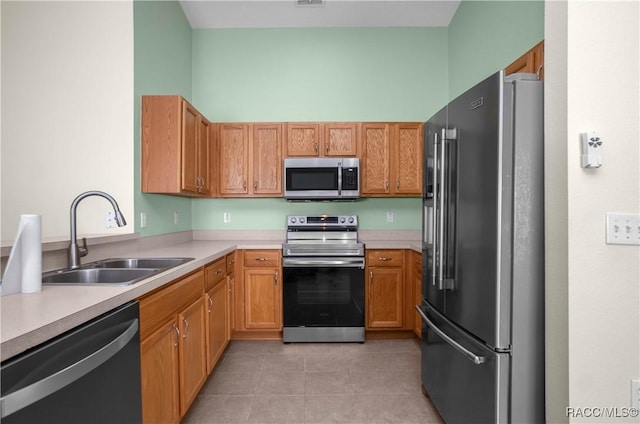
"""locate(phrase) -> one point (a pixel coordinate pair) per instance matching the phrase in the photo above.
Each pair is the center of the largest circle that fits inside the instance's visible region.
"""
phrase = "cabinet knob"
(255, 185)
(244, 185)
(386, 185)
(398, 184)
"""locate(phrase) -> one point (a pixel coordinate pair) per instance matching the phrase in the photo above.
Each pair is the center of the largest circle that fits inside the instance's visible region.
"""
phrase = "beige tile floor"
(273, 382)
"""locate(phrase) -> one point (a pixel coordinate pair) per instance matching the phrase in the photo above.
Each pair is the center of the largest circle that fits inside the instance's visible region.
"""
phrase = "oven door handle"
(321, 262)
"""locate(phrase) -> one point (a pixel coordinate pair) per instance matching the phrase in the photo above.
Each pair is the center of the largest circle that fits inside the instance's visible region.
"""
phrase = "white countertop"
(30, 319)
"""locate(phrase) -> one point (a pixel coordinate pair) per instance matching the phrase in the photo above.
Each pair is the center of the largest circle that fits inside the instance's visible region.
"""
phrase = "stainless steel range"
(323, 281)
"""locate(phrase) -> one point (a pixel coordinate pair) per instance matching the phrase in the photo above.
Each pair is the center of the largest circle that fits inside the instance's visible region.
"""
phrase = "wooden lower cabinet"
(193, 364)
(263, 299)
(257, 295)
(173, 362)
(385, 289)
(160, 375)
(217, 322)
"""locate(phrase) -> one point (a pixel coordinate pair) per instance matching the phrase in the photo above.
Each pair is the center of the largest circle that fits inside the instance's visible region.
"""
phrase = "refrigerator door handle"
(441, 212)
(436, 211)
(470, 355)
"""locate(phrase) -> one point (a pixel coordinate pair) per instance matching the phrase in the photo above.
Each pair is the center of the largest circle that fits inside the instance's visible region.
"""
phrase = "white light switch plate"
(623, 228)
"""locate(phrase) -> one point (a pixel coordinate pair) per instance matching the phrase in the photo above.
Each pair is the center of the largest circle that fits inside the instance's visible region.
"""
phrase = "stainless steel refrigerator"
(483, 254)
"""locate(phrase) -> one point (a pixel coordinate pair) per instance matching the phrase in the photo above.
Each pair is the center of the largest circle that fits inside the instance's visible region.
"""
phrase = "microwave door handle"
(339, 179)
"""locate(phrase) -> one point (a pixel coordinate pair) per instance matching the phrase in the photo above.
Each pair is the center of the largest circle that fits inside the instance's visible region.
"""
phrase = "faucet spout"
(75, 251)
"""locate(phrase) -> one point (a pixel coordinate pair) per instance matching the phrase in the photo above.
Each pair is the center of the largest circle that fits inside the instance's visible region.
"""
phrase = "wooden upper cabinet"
(267, 159)
(532, 61)
(250, 160)
(303, 139)
(233, 145)
(407, 158)
(173, 147)
(391, 159)
(321, 139)
(190, 162)
(375, 159)
(340, 139)
(204, 157)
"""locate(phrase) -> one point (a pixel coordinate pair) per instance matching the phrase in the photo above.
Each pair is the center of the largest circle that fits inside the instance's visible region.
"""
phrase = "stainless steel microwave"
(321, 178)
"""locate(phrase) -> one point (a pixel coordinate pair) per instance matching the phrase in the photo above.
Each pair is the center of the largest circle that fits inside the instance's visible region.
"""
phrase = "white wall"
(593, 289)
(67, 113)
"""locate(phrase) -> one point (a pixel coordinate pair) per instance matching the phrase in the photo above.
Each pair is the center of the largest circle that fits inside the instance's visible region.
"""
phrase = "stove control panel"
(326, 220)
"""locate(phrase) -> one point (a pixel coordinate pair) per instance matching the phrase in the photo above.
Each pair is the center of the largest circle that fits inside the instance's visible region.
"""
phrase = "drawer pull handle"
(210, 303)
(261, 259)
(384, 259)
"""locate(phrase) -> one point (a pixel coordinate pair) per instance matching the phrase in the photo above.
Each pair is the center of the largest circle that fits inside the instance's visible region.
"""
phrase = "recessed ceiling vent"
(309, 3)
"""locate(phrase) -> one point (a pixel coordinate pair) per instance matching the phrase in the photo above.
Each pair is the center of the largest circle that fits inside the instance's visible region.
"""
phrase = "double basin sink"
(114, 271)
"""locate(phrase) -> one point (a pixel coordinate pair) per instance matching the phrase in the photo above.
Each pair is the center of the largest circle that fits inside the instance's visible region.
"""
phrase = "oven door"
(323, 292)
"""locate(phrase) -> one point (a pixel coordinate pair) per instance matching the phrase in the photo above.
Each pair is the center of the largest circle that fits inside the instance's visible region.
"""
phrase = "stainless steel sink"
(110, 276)
(114, 272)
(159, 263)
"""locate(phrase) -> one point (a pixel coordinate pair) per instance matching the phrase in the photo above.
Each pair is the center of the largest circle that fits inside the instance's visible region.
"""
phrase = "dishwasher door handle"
(24, 397)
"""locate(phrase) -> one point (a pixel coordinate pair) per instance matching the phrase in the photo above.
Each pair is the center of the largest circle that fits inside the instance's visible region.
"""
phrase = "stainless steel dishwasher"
(91, 374)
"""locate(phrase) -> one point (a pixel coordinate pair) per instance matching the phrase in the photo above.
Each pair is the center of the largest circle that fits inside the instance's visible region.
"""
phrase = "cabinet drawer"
(215, 272)
(384, 257)
(158, 307)
(231, 262)
(262, 258)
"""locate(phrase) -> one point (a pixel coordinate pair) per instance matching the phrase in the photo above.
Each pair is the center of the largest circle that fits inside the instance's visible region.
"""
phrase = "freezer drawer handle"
(470, 355)
(27, 395)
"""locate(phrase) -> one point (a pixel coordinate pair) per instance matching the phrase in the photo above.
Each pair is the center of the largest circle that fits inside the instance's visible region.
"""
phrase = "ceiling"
(333, 13)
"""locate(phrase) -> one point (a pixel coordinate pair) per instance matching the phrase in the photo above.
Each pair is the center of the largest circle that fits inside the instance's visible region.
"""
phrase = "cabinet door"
(303, 139)
(159, 372)
(408, 148)
(375, 159)
(385, 298)
(532, 62)
(189, 153)
(193, 366)
(340, 139)
(204, 155)
(263, 298)
(234, 153)
(217, 319)
(267, 159)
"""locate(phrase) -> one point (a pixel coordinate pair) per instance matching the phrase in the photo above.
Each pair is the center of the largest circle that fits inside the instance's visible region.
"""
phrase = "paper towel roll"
(24, 267)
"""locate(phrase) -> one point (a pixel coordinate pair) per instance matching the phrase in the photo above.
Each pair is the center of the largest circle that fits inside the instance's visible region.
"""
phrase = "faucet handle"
(84, 250)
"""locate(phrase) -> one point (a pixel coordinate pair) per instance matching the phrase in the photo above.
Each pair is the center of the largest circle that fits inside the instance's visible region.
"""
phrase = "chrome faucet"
(75, 251)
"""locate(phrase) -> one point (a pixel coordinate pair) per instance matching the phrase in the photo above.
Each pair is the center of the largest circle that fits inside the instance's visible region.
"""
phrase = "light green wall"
(317, 74)
(162, 65)
(320, 74)
(269, 214)
(485, 36)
